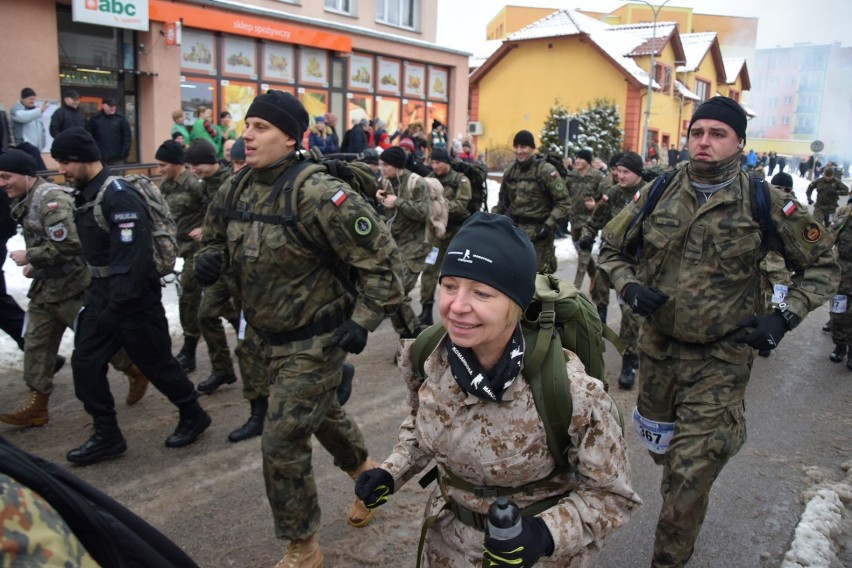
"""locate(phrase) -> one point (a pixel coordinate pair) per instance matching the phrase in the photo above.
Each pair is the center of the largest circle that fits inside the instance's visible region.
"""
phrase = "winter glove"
(208, 267)
(642, 299)
(586, 243)
(350, 337)
(542, 232)
(768, 331)
(373, 487)
(810, 201)
(522, 551)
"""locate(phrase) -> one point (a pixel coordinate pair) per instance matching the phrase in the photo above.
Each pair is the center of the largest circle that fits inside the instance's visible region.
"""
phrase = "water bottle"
(504, 519)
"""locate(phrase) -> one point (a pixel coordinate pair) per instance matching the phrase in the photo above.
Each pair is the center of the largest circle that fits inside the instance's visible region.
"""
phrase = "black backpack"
(477, 174)
(554, 160)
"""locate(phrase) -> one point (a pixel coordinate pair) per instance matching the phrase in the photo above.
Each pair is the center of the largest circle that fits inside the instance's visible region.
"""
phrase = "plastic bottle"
(504, 519)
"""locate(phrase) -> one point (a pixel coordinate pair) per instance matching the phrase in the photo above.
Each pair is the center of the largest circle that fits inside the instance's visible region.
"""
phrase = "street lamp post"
(656, 12)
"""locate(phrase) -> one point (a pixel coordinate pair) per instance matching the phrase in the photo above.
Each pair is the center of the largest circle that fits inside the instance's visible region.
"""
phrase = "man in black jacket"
(68, 115)
(112, 134)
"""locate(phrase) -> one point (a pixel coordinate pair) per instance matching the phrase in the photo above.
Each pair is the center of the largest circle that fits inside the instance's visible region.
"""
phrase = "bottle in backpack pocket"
(504, 519)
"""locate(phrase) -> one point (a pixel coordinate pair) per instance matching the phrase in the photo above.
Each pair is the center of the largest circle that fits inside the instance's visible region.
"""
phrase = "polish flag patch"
(52, 205)
(338, 197)
(636, 196)
(605, 197)
(789, 208)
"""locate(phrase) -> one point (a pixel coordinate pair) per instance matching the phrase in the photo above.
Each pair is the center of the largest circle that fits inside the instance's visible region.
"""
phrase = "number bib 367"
(656, 436)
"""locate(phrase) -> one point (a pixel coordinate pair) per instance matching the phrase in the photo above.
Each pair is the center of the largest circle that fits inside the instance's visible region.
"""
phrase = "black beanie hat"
(724, 110)
(75, 145)
(783, 179)
(238, 150)
(614, 160)
(490, 249)
(440, 155)
(585, 155)
(632, 161)
(524, 138)
(283, 110)
(27, 92)
(394, 156)
(370, 157)
(17, 162)
(201, 152)
(170, 152)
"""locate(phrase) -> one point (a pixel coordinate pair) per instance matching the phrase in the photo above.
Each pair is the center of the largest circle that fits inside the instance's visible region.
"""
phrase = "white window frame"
(390, 13)
(345, 7)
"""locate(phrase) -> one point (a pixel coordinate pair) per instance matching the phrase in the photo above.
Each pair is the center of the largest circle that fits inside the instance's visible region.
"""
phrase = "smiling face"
(523, 152)
(712, 140)
(265, 143)
(14, 184)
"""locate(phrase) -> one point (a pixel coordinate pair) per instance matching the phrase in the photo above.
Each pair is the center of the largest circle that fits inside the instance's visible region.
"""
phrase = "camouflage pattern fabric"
(580, 189)
(217, 302)
(841, 323)
(189, 302)
(488, 444)
(33, 534)
(828, 192)
(254, 365)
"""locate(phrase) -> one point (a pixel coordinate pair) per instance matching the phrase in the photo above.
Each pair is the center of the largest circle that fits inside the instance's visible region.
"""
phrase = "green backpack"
(558, 316)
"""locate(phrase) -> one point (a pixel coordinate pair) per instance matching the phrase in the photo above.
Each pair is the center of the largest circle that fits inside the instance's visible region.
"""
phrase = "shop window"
(399, 13)
(194, 93)
(87, 44)
(347, 7)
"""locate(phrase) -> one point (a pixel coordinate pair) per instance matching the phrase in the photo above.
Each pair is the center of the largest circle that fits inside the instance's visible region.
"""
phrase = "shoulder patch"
(120, 216)
(636, 195)
(789, 208)
(58, 232)
(811, 232)
(338, 197)
(363, 226)
(52, 204)
(605, 197)
(554, 173)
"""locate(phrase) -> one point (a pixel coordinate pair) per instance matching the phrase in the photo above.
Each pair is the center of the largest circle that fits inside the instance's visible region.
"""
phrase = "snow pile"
(814, 543)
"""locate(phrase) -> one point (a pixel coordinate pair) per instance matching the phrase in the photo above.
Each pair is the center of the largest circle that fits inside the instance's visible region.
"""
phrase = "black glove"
(768, 331)
(350, 337)
(642, 299)
(373, 487)
(542, 232)
(810, 201)
(586, 243)
(522, 551)
(208, 267)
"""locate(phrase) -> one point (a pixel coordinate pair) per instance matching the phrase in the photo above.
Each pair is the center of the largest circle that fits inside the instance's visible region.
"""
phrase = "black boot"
(425, 317)
(628, 371)
(838, 354)
(827, 326)
(602, 313)
(254, 425)
(58, 363)
(193, 421)
(186, 355)
(344, 391)
(106, 442)
(215, 381)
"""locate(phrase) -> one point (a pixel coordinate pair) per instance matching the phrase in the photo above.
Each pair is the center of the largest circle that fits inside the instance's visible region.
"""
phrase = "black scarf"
(475, 380)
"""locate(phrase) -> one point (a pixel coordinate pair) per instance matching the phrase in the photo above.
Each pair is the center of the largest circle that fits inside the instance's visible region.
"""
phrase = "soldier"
(217, 301)
(458, 192)
(406, 203)
(691, 266)
(600, 285)
(295, 298)
(53, 260)
(628, 168)
(585, 192)
(535, 197)
(841, 314)
(187, 199)
(828, 189)
(123, 307)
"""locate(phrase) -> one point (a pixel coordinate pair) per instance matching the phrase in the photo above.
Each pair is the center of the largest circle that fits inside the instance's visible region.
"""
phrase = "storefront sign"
(130, 14)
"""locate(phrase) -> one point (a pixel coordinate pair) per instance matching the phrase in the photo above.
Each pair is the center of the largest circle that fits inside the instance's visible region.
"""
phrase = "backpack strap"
(424, 345)
(654, 194)
(761, 211)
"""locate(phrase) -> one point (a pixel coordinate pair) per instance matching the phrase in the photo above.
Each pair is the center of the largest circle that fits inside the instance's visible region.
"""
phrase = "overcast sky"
(461, 23)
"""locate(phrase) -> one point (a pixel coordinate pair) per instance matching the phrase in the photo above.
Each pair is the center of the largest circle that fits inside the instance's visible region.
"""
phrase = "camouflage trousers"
(585, 262)
(403, 319)
(822, 214)
(841, 325)
(46, 322)
(599, 288)
(429, 276)
(628, 333)
(190, 300)
(254, 365)
(303, 402)
(704, 398)
(217, 301)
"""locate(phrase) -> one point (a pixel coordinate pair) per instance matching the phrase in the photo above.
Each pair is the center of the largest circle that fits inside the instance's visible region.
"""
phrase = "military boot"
(58, 363)
(628, 371)
(602, 313)
(359, 515)
(838, 354)
(138, 385)
(215, 381)
(193, 421)
(254, 425)
(302, 553)
(33, 412)
(425, 317)
(827, 326)
(186, 355)
(105, 442)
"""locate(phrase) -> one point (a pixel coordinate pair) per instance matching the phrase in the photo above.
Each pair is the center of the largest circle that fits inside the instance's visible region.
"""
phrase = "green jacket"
(187, 199)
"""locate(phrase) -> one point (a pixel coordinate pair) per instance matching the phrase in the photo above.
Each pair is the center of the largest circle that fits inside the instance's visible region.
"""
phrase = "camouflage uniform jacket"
(842, 228)
(54, 250)
(827, 192)
(283, 285)
(582, 187)
(706, 258)
(610, 205)
(458, 193)
(212, 184)
(490, 444)
(187, 199)
(407, 219)
(533, 193)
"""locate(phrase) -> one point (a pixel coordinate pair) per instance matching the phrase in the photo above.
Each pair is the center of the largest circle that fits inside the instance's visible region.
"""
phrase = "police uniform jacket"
(504, 445)
(705, 257)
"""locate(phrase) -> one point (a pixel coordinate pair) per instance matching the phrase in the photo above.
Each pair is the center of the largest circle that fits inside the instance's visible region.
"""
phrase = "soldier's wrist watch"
(791, 319)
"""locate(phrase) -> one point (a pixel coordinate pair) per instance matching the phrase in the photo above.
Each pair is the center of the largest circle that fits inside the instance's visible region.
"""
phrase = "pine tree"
(550, 141)
(599, 130)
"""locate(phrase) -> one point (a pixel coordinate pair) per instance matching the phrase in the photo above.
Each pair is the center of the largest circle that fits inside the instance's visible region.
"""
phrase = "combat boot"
(838, 354)
(193, 421)
(186, 355)
(215, 381)
(32, 413)
(359, 515)
(425, 317)
(254, 425)
(138, 385)
(827, 326)
(58, 363)
(628, 371)
(302, 553)
(105, 442)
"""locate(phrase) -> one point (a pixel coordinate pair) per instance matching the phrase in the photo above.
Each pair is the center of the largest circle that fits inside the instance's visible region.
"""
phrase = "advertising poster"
(436, 111)
(315, 102)
(387, 109)
(361, 72)
(198, 52)
(236, 98)
(438, 83)
(279, 63)
(415, 80)
(388, 76)
(413, 111)
(313, 66)
(239, 56)
(358, 107)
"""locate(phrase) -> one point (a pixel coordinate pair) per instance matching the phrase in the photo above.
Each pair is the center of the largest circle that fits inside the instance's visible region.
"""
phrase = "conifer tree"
(550, 141)
(599, 130)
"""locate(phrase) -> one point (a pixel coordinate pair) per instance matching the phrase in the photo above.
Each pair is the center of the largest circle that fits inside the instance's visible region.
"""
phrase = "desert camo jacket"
(504, 444)
(706, 259)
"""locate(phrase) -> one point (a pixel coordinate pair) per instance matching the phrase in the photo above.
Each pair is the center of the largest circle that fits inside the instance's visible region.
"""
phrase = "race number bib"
(432, 257)
(779, 293)
(656, 436)
(241, 334)
(838, 303)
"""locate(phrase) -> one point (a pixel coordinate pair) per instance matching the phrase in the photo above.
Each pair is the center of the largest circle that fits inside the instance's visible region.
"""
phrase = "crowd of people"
(305, 266)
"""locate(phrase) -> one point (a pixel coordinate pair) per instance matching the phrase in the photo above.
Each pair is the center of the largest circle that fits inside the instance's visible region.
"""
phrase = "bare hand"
(196, 234)
(28, 271)
(590, 203)
(19, 256)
